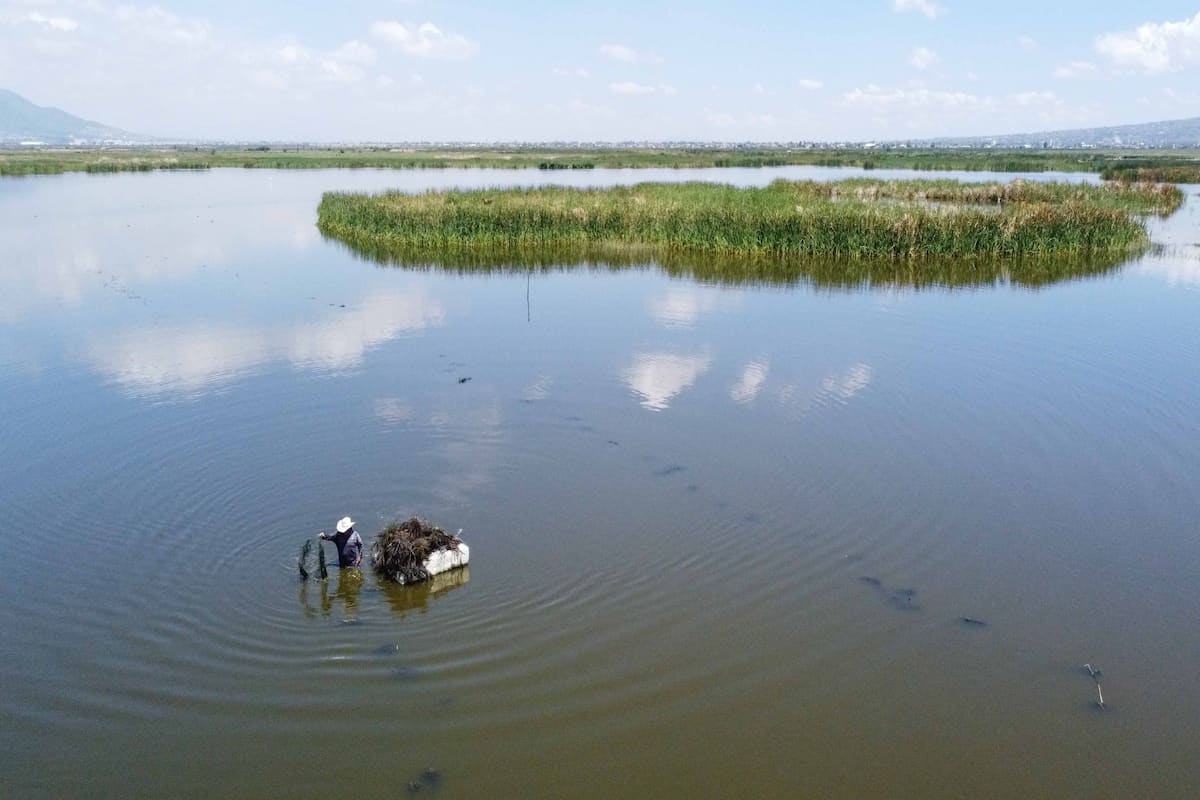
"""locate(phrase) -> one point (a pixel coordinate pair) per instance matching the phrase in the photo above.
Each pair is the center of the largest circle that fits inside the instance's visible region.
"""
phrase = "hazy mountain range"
(23, 122)
(1170, 133)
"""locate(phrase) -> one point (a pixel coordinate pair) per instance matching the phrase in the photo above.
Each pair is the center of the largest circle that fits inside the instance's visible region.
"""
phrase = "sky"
(617, 70)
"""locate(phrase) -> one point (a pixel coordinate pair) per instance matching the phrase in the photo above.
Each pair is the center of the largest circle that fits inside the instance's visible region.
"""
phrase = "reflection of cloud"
(842, 387)
(753, 378)
(1180, 268)
(66, 259)
(473, 441)
(539, 389)
(189, 359)
(680, 307)
(837, 388)
(658, 377)
(393, 410)
(339, 342)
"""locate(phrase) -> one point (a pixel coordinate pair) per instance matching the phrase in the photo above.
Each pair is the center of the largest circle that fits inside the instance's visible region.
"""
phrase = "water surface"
(723, 535)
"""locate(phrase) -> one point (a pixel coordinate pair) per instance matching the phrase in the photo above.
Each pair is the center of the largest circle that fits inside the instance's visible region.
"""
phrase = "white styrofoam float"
(441, 561)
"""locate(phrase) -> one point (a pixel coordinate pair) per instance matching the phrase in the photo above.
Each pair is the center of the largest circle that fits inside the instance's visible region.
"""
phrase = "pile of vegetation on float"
(400, 550)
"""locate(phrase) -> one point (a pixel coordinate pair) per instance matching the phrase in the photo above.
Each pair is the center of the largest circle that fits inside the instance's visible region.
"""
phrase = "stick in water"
(1100, 692)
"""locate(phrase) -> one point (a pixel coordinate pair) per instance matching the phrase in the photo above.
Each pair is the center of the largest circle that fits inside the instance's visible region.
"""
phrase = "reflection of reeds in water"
(416, 597)
(786, 219)
(749, 270)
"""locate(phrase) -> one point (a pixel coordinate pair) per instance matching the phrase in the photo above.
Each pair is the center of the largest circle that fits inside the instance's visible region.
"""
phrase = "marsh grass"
(784, 219)
(1178, 173)
(53, 161)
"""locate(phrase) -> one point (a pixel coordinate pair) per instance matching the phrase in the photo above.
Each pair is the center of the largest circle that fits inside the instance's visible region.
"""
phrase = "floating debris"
(1094, 673)
(415, 550)
(464, 380)
(870, 581)
(976, 623)
(904, 599)
(670, 469)
(387, 649)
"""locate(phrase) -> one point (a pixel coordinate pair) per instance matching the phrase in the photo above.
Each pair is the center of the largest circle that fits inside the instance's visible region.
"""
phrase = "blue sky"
(603, 71)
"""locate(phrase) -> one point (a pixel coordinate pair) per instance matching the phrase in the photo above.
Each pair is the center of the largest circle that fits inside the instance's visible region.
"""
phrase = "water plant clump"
(302, 561)
(401, 548)
(857, 219)
(322, 569)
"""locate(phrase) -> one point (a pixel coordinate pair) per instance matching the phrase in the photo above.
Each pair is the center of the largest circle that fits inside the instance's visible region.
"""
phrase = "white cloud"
(155, 24)
(342, 73)
(355, 52)
(810, 84)
(923, 58)
(64, 24)
(627, 55)
(269, 79)
(1035, 99)
(925, 7)
(1153, 47)
(293, 54)
(1075, 69)
(425, 40)
(567, 72)
(630, 87)
(723, 119)
(878, 100)
(1028, 42)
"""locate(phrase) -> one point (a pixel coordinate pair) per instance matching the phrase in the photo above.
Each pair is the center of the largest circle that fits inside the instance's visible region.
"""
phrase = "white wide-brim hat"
(344, 524)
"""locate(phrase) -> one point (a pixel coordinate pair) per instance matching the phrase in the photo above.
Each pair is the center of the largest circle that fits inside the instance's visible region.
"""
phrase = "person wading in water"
(349, 543)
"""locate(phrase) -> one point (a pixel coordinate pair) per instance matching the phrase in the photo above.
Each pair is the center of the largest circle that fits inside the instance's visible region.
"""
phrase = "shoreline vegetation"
(1125, 165)
(857, 219)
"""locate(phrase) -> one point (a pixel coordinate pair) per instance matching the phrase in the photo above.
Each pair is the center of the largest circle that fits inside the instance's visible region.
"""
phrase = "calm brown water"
(722, 536)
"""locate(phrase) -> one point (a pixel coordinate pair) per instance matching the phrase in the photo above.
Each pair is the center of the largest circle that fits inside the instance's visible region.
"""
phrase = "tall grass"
(52, 161)
(783, 219)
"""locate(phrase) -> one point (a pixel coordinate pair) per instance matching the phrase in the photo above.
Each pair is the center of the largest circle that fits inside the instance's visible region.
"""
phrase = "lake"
(723, 537)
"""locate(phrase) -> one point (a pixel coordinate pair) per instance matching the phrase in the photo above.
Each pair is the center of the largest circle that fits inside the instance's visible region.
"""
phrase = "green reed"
(53, 161)
(855, 219)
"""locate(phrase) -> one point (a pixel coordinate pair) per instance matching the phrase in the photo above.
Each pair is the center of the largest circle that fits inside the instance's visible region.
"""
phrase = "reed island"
(859, 218)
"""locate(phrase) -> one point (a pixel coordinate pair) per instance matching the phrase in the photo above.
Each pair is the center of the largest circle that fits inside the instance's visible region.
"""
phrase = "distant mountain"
(1175, 133)
(22, 121)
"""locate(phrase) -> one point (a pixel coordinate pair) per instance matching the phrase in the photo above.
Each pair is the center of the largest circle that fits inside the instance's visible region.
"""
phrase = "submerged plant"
(400, 549)
(302, 562)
